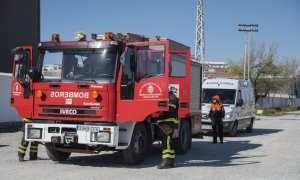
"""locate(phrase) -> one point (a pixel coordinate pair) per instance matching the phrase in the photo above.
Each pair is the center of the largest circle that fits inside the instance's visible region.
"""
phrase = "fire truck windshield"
(69, 65)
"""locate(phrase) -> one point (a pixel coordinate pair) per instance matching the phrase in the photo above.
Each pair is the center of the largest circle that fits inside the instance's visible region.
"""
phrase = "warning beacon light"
(79, 36)
(55, 37)
(109, 35)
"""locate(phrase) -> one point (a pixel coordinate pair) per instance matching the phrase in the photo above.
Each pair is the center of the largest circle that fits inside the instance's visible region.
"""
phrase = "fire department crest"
(150, 91)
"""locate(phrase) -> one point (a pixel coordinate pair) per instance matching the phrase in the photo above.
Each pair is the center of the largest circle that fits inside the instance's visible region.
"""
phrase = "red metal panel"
(71, 102)
(147, 93)
(184, 85)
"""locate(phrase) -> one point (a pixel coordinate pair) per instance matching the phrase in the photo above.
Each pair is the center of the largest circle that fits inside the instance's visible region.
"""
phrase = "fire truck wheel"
(184, 142)
(136, 151)
(56, 155)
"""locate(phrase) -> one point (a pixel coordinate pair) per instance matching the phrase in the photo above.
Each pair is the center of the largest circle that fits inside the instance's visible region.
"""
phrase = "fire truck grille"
(62, 111)
(69, 116)
(62, 106)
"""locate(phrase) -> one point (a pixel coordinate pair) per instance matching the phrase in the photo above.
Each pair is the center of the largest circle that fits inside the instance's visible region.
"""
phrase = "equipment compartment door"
(21, 87)
(143, 81)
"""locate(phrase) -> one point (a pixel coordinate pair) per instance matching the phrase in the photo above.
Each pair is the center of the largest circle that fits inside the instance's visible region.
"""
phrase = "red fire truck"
(105, 93)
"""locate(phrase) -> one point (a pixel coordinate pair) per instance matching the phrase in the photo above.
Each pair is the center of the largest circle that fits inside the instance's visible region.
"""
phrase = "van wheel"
(250, 128)
(136, 151)
(233, 131)
(56, 155)
(184, 142)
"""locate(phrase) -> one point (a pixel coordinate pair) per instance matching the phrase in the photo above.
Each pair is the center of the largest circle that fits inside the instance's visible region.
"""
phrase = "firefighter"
(24, 144)
(167, 123)
(216, 114)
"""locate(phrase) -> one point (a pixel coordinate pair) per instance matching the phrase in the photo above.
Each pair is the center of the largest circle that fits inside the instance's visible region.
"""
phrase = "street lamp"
(247, 29)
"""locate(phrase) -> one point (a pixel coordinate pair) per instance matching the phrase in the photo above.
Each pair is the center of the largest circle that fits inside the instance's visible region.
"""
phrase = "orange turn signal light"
(39, 93)
(95, 94)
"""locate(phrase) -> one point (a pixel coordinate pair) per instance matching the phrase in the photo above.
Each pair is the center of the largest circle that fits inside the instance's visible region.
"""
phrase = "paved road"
(272, 151)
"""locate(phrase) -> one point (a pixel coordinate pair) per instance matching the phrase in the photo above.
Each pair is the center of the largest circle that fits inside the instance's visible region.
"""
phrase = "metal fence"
(276, 102)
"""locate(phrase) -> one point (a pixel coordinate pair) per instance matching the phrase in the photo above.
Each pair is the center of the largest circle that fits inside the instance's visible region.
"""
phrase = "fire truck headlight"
(95, 94)
(34, 133)
(103, 136)
(39, 94)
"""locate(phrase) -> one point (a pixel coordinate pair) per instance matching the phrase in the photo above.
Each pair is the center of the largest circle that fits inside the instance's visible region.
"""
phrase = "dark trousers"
(217, 128)
(24, 144)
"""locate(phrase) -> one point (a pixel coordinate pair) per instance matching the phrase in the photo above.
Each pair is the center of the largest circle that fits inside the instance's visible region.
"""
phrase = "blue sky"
(279, 22)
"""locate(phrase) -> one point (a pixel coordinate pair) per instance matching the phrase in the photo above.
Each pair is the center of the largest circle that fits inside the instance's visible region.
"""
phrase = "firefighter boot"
(33, 156)
(21, 156)
(172, 162)
(166, 164)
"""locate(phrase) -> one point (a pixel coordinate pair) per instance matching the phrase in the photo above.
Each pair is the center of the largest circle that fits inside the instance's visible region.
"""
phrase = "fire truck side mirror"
(19, 57)
(18, 53)
(240, 103)
(122, 59)
(32, 73)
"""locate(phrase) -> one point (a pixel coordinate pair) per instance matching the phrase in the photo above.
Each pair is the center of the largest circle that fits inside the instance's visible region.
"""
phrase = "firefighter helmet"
(216, 97)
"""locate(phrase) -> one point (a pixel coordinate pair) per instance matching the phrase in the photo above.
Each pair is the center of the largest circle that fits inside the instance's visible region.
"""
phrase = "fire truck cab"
(103, 94)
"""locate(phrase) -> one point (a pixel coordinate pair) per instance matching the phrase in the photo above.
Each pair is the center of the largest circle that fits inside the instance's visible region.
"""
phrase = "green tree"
(288, 74)
(263, 69)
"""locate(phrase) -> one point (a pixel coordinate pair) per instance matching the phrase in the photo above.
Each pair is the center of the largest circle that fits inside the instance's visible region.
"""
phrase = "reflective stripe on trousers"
(168, 120)
(168, 148)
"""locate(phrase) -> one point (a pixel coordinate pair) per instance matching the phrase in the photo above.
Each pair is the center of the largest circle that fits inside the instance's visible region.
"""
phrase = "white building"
(214, 69)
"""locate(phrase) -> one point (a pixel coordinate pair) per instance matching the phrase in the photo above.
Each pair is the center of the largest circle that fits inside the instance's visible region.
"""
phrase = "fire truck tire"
(136, 151)
(184, 142)
(56, 155)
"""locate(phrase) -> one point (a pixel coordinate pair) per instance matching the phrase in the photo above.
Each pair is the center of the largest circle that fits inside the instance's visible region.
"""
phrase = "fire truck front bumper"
(71, 133)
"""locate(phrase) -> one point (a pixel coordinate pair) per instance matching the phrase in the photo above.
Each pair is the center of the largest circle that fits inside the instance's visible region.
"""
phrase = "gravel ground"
(270, 152)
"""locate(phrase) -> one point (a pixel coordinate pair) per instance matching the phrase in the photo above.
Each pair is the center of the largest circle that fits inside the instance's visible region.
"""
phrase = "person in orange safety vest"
(216, 114)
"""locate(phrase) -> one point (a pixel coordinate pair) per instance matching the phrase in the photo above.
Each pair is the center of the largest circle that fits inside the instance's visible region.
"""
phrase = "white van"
(237, 97)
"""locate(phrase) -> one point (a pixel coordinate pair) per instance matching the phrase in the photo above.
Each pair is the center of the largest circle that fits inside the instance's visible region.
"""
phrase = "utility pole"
(199, 46)
(248, 29)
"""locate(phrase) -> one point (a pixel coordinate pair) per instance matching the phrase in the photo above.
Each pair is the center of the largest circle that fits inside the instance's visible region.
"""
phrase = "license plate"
(88, 128)
(206, 127)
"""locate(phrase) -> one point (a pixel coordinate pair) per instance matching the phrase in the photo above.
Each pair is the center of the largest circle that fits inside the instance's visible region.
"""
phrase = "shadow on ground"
(256, 132)
(203, 153)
